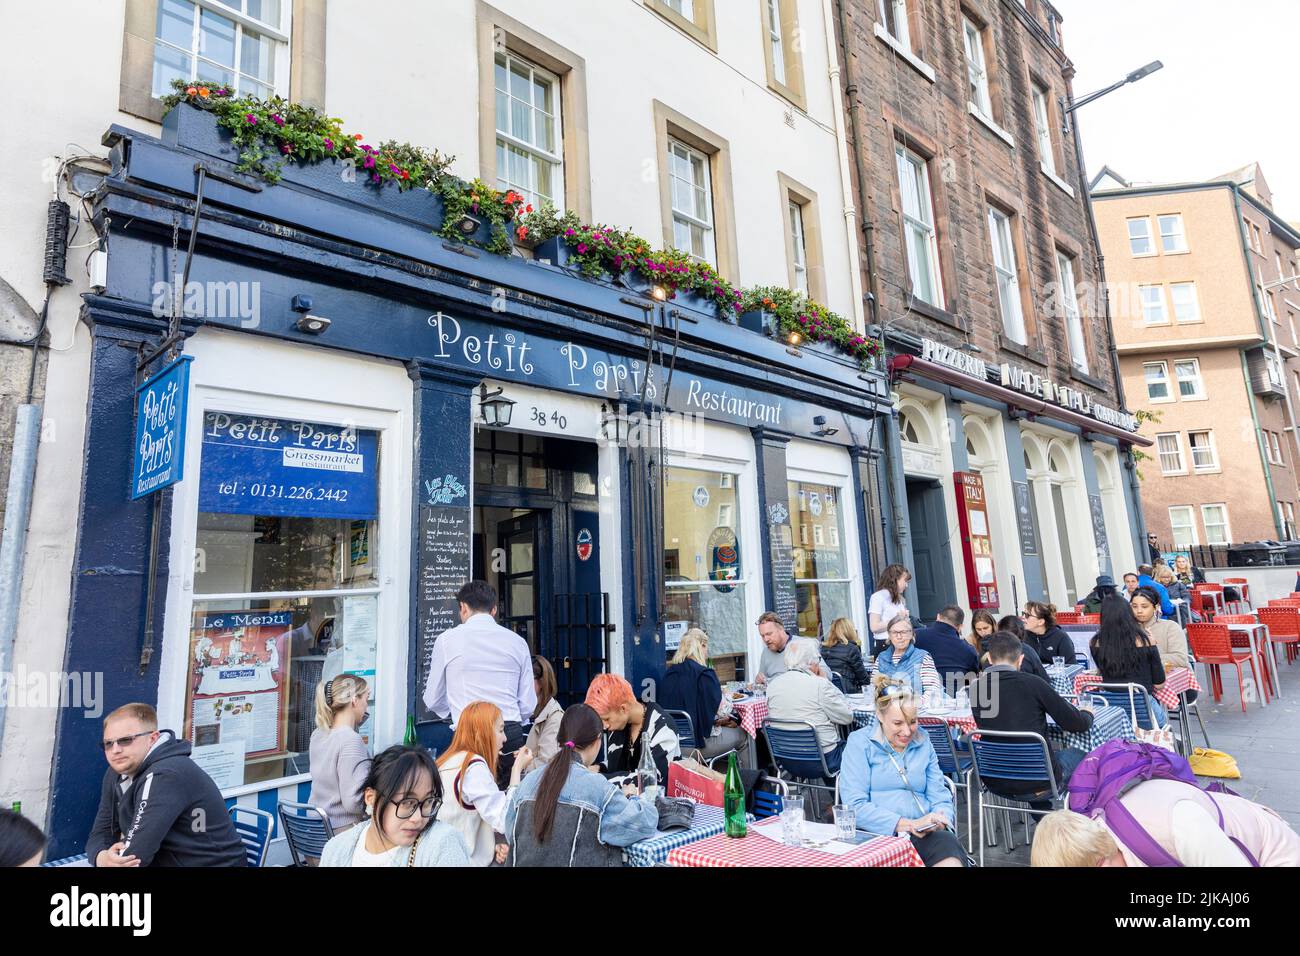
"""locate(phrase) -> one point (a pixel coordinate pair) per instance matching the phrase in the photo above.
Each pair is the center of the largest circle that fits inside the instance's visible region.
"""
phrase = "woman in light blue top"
(402, 795)
(890, 777)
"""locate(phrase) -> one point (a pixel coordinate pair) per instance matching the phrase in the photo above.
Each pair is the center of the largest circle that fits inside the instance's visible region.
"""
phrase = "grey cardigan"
(339, 765)
(439, 845)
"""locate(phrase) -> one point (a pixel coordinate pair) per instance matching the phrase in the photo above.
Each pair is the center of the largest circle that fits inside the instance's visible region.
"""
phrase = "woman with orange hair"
(472, 804)
(629, 724)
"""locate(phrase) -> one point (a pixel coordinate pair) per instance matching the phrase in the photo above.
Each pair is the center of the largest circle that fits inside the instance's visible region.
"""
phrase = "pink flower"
(277, 119)
(374, 177)
(569, 232)
(369, 163)
(582, 248)
(329, 144)
(250, 119)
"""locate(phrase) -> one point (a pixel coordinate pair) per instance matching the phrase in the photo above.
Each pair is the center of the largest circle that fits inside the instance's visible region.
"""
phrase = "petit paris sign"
(158, 457)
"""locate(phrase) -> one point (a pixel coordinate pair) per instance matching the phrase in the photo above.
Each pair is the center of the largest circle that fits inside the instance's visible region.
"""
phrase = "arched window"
(907, 429)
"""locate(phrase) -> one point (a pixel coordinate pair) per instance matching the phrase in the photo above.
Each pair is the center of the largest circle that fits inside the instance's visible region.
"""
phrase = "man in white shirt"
(481, 660)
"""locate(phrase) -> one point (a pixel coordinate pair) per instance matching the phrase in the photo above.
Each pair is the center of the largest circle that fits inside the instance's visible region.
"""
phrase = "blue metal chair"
(306, 828)
(957, 765)
(796, 750)
(1012, 756)
(255, 828)
(770, 803)
(684, 726)
(837, 681)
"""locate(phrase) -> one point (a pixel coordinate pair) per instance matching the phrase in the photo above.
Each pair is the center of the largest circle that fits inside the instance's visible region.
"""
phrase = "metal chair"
(954, 764)
(795, 750)
(1015, 756)
(306, 829)
(770, 803)
(1134, 697)
(837, 681)
(684, 726)
(255, 828)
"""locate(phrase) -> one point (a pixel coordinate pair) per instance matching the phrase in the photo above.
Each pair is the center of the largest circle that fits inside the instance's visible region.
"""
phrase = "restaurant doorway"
(931, 550)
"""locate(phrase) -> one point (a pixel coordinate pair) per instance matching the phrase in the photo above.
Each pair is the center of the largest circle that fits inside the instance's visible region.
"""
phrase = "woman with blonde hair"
(542, 740)
(890, 776)
(339, 758)
(842, 652)
(692, 686)
(982, 625)
(472, 804)
(1179, 593)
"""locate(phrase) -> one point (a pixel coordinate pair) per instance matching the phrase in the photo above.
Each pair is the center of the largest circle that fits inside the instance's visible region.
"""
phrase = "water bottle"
(647, 774)
(733, 799)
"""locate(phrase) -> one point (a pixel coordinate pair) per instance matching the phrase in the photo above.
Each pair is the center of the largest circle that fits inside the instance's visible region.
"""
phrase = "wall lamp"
(311, 324)
(823, 430)
(495, 408)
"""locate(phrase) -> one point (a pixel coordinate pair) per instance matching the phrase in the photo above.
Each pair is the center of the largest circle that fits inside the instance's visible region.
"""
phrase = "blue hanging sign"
(159, 455)
(253, 465)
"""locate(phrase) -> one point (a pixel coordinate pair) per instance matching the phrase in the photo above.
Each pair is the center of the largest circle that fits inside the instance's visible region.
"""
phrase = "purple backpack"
(1116, 767)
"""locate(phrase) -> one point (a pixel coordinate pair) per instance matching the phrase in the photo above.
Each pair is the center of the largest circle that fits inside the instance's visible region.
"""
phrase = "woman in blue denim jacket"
(890, 777)
(567, 815)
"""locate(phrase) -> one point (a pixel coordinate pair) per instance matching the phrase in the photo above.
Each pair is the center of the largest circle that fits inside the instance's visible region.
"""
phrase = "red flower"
(528, 208)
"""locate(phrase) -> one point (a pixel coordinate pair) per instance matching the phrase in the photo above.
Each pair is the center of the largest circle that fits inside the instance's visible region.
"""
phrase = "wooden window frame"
(703, 28)
(791, 190)
(670, 124)
(793, 87)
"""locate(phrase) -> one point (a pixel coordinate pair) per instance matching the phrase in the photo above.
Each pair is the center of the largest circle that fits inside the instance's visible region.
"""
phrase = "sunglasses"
(125, 742)
(406, 808)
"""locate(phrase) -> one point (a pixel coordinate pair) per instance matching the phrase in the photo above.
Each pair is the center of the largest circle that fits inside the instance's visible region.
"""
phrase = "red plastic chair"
(1242, 585)
(1240, 640)
(1203, 608)
(1091, 619)
(1069, 617)
(1283, 602)
(1212, 646)
(1283, 628)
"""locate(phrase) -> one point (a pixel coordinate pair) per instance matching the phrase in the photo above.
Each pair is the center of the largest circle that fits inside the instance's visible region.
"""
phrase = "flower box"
(760, 321)
(696, 302)
(554, 250)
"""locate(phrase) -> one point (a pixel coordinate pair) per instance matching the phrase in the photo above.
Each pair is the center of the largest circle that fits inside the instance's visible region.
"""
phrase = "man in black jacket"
(156, 806)
(1008, 699)
(954, 658)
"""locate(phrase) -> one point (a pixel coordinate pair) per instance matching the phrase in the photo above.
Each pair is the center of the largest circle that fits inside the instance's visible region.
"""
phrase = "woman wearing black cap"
(1105, 586)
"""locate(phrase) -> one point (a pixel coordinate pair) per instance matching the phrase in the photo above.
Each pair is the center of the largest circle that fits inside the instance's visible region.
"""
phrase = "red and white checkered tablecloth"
(755, 850)
(1177, 680)
(751, 713)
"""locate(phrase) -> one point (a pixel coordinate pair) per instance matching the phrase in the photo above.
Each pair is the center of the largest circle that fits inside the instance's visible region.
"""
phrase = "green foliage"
(795, 313)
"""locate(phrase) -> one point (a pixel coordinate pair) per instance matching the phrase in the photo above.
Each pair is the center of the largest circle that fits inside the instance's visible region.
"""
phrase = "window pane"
(817, 508)
(1153, 304)
(701, 540)
(717, 609)
(1139, 236)
(1171, 234)
(168, 65)
(820, 604)
(257, 56)
(268, 11)
(176, 23)
(216, 38)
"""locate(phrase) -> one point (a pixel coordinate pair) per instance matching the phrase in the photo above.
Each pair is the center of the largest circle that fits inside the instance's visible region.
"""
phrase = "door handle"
(567, 661)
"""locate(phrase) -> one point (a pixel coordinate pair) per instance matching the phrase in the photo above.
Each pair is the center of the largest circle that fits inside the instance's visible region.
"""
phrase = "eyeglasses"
(901, 632)
(125, 742)
(406, 808)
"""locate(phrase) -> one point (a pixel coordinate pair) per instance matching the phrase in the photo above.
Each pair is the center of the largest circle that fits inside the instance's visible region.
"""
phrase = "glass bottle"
(647, 774)
(733, 799)
(410, 739)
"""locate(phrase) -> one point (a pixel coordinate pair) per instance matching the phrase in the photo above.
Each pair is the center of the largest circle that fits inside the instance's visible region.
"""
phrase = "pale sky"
(1228, 94)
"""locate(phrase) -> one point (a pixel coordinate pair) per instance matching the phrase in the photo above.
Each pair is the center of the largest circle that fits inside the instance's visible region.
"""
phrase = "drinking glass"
(1058, 664)
(845, 822)
(792, 823)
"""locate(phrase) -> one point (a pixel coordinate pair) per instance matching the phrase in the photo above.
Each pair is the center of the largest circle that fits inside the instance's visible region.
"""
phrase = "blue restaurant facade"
(348, 463)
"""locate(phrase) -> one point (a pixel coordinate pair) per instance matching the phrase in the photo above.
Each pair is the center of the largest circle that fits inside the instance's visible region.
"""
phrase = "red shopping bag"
(691, 778)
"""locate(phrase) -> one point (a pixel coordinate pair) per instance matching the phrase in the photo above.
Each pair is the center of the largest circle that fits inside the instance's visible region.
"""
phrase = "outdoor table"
(1177, 680)
(753, 849)
(1080, 636)
(1108, 723)
(1257, 635)
(79, 860)
(1215, 598)
(653, 851)
(750, 714)
(1063, 683)
(864, 715)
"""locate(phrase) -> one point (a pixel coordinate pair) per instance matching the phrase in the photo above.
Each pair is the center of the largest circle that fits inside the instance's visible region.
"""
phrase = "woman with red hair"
(472, 804)
(629, 724)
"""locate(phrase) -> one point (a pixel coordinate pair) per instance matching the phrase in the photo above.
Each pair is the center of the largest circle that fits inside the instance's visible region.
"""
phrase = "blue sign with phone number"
(253, 465)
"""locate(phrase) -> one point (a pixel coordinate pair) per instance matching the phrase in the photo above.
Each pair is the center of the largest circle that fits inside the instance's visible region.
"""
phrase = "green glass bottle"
(733, 799)
(18, 807)
(410, 739)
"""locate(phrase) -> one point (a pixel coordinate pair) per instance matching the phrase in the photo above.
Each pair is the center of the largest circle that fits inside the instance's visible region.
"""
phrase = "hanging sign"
(976, 539)
(159, 454)
(274, 466)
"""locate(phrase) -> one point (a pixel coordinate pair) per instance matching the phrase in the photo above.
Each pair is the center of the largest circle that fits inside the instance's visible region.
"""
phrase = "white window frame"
(1070, 305)
(1145, 237)
(1178, 462)
(1192, 300)
(1006, 276)
(1209, 446)
(1287, 514)
(1171, 395)
(1227, 528)
(1142, 300)
(686, 8)
(895, 10)
(1273, 369)
(279, 33)
(1174, 234)
(846, 511)
(1189, 524)
(1195, 378)
(977, 74)
(510, 140)
(1043, 129)
(688, 217)
(798, 245)
(776, 41)
(914, 167)
(1274, 447)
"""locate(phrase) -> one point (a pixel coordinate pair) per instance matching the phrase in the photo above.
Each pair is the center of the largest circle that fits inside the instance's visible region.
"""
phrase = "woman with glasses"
(475, 808)
(566, 815)
(402, 795)
(903, 660)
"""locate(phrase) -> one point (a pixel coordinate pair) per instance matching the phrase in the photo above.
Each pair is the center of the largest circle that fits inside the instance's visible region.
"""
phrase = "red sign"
(976, 540)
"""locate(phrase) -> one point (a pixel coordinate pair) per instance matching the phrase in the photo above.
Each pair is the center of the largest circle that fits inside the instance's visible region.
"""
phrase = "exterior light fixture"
(468, 225)
(659, 292)
(970, 347)
(614, 423)
(792, 343)
(312, 324)
(823, 430)
(494, 407)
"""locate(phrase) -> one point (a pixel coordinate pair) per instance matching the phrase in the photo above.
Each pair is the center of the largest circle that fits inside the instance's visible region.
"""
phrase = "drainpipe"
(846, 180)
(864, 193)
(1265, 332)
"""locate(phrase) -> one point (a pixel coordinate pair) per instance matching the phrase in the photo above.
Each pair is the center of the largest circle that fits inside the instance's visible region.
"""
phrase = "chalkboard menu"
(1099, 533)
(779, 536)
(444, 546)
(1025, 518)
(784, 602)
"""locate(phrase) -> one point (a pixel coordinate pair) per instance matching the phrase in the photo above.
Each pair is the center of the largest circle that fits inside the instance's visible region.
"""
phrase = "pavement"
(1264, 740)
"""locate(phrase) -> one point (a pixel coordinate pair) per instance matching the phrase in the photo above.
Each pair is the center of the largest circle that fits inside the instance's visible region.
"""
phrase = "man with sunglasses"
(156, 806)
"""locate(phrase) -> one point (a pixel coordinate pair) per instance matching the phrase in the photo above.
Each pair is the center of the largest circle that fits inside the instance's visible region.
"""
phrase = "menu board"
(444, 550)
(784, 602)
(976, 540)
(1025, 518)
(1099, 532)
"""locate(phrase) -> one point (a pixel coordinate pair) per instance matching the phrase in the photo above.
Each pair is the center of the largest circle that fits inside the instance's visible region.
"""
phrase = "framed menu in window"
(976, 541)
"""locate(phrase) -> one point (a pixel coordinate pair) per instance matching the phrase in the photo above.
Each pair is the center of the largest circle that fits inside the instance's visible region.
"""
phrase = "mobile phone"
(926, 829)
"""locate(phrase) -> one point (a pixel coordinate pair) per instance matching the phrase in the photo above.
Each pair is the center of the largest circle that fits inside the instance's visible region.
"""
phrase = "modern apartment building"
(981, 265)
(1205, 306)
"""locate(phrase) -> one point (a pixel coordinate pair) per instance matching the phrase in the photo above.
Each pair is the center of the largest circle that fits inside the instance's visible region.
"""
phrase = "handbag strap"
(906, 783)
(410, 860)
